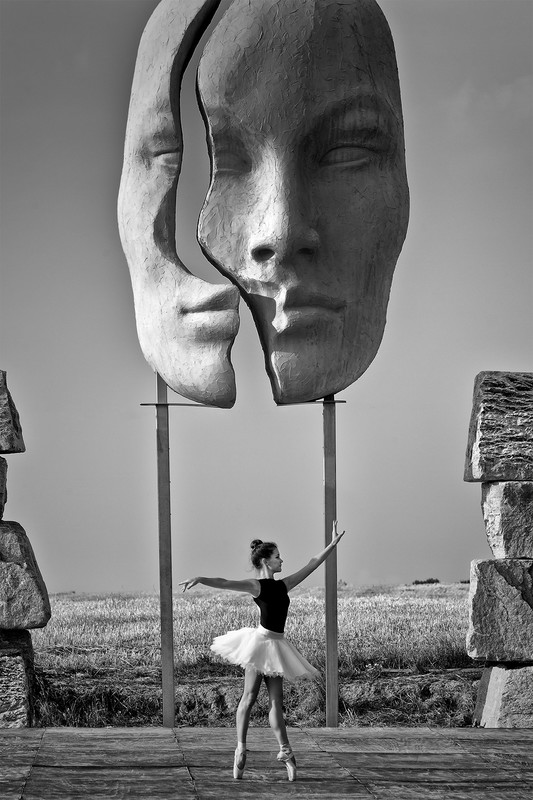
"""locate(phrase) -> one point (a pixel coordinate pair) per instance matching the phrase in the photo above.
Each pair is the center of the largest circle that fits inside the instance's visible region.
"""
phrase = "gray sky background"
(461, 302)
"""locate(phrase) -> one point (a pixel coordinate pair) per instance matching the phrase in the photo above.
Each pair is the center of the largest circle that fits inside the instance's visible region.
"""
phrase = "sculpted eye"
(170, 159)
(346, 155)
(231, 160)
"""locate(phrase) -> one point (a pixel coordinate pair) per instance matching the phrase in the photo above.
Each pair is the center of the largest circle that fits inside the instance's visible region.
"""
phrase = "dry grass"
(99, 659)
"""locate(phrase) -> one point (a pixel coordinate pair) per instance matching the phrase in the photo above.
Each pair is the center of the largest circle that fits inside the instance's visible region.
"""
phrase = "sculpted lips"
(295, 306)
(220, 298)
(214, 314)
(304, 306)
(304, 297)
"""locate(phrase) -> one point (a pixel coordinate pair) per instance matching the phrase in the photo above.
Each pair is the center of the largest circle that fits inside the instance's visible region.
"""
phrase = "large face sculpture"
(186, 326)
(308, 205)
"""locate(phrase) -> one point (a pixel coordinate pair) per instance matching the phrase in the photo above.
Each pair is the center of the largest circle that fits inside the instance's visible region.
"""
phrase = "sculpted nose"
(302, 243)
(282, 230)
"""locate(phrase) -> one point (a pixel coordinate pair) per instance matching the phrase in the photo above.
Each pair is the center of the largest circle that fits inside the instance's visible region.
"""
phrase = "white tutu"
(268, 652)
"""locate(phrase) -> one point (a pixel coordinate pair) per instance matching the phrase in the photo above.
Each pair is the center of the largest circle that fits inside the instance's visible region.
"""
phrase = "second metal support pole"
(330, 514)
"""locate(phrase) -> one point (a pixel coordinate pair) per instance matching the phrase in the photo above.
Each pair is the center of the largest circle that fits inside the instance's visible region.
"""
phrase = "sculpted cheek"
(221, 226)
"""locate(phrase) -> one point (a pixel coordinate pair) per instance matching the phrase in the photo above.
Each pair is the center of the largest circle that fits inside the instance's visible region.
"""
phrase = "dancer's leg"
(277, 723)
(252, 684)
(275, 715)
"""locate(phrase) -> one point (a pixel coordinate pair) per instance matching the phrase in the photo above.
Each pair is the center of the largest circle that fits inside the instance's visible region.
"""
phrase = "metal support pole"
(165, 553)
(330, 514)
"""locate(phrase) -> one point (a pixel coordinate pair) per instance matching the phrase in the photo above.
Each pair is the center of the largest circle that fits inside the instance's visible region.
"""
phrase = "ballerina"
(264, 652)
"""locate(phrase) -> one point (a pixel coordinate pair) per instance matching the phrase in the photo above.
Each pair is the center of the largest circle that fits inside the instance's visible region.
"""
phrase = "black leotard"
(273, 600)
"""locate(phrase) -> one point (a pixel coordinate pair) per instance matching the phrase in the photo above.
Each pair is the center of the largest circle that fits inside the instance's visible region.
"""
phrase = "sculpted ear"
(186, 326)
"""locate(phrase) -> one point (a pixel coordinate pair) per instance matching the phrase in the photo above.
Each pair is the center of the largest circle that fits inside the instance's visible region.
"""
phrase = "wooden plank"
(410, 760)
(101, 753)
(374, 732)
(521, 756)
(11, 791)
(16, 733)
(190, 739)
(495, 747)
(109, 734)
(210, 736)
(11, 772)
(165, 553)
(330, 514)
(385, 745)
(18, 753)
(259, 767)
(247, 790)
(12, 780)
(55, 783)
(480, 776)
(427, 791)
(483, 734)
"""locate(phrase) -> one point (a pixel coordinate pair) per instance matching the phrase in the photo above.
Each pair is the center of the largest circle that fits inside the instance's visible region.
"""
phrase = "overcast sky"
(461, 302)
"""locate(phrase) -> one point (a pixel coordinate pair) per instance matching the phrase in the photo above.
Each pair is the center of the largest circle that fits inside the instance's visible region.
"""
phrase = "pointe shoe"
(287, 756)
(238, 763)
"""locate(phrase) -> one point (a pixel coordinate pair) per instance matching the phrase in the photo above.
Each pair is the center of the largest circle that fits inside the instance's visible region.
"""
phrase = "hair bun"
(256, 543)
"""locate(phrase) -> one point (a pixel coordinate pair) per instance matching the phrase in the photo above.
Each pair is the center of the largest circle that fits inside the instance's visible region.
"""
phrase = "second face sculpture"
(308, 204)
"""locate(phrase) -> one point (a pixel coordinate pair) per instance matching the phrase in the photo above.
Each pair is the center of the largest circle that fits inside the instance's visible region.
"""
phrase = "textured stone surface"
(500, 437)
(505, 697)
(14, 700)
(508, 513)
(24, 600)
(17, 679)
(186, 326)
(501, 610)
(18, 642)
(3, 485)
(308, 204)
(11, 440)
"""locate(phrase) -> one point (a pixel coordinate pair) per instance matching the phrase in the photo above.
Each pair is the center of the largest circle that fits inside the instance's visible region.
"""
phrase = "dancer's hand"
(189, 583)
(335, 535)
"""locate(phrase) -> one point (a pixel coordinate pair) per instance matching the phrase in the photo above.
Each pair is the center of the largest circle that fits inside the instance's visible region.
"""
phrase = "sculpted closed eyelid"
(228, 151)
(355, 123)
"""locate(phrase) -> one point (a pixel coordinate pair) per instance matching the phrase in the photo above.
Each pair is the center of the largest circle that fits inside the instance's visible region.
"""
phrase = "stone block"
(500, 437)
(508, 513)
(11, 440)
(24, 599)
(501, 610)
(505, 697)
(3, 485)
(17, 680)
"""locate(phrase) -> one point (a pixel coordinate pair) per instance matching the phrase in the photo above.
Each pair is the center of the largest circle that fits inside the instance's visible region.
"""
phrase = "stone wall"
(24, 600)
(500, 456)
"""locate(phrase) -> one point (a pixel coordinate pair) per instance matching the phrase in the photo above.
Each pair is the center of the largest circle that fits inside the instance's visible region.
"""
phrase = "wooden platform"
(333, 764)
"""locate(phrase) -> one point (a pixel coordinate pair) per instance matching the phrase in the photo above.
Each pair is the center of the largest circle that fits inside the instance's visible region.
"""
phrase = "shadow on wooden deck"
(333, 764)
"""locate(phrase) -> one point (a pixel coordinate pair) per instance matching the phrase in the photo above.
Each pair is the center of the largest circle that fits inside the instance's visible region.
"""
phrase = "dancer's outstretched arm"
(297, 577)
(251, 586)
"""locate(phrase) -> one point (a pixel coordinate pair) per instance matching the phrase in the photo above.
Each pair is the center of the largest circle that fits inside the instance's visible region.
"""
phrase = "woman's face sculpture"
(308, 204)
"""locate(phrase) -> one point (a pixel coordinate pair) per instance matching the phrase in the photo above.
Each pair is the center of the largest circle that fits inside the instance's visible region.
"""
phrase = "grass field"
(402, 657)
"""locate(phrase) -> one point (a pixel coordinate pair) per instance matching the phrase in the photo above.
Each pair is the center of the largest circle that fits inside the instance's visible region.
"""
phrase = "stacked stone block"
(23, 597)
(500, 456)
